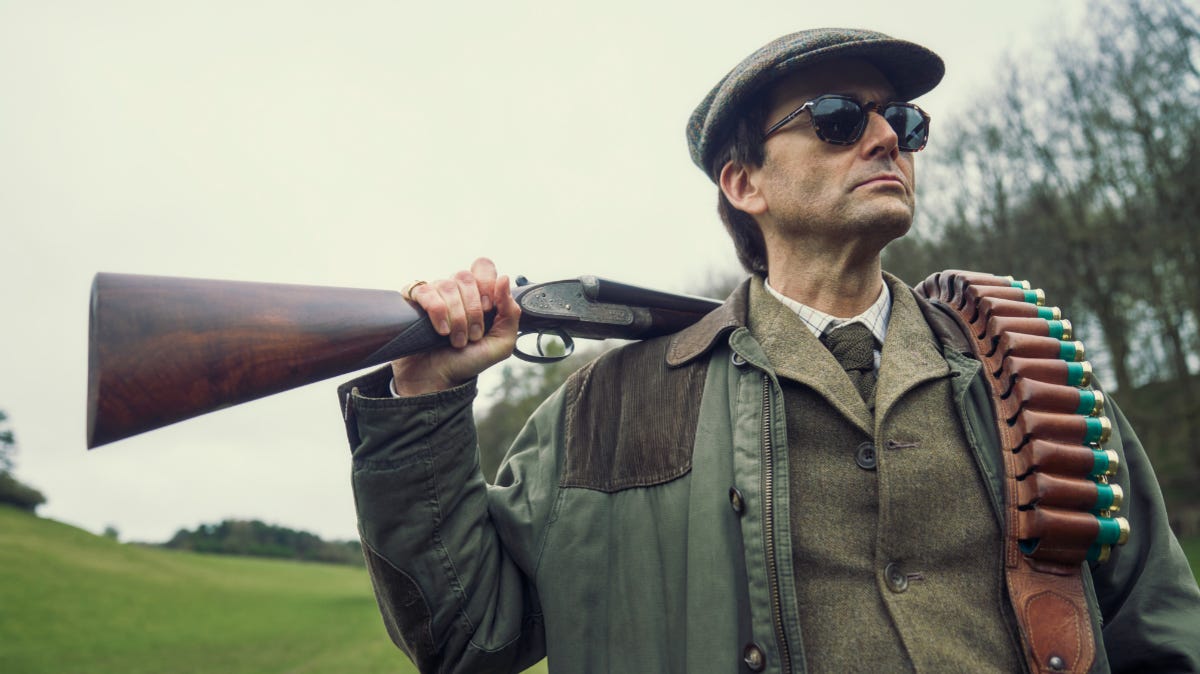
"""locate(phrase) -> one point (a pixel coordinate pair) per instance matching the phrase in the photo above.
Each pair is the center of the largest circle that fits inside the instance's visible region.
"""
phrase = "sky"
(359, 144)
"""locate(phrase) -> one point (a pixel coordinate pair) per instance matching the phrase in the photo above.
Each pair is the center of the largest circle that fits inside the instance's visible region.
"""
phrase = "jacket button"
(896, 579)
(754, 658)
(864, 456)
(736, 501)
(737, 359)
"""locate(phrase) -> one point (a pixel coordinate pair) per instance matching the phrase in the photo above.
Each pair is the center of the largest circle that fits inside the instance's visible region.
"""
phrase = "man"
(741, 496)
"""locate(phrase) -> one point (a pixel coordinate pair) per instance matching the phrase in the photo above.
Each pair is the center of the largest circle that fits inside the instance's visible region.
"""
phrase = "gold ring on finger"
(407, 292)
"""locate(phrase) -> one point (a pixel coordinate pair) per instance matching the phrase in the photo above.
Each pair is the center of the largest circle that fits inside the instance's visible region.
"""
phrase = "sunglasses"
(841, 120)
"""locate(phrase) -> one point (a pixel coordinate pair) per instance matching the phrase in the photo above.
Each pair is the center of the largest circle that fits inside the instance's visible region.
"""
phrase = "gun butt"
(164, 349)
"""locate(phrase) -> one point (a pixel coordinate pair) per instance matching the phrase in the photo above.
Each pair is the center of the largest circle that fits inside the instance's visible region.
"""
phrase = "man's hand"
(456, 306)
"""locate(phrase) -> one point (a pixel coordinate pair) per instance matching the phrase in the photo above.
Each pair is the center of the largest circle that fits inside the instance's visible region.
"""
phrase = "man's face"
(811, 188)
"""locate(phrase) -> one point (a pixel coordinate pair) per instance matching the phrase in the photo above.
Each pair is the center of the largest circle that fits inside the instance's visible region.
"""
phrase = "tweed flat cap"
(910, 68)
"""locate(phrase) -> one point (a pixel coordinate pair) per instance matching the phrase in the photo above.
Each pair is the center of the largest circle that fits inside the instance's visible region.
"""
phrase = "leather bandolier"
(1058, 503)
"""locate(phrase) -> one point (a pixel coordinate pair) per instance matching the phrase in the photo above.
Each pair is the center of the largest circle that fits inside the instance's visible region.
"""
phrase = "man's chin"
(891, 221)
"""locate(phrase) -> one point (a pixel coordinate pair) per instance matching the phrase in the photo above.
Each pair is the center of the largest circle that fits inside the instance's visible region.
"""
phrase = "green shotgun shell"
(1106, 498)
(1113, 530)
(1099, 553)
(1060, 329)
(1104, 462)
(1098, 430)
(1087, 403)
(1079, 374)
(1024, 285)
(1118, 498)
(1071, 351)
(1090, 403)
(1049, 313)
(1037, 296)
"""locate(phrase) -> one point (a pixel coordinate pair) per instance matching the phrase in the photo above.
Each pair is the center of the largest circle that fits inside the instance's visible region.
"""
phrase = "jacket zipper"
(768, 480)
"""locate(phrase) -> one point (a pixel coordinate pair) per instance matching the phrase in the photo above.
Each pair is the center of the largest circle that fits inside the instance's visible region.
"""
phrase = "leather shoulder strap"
(1058, 503)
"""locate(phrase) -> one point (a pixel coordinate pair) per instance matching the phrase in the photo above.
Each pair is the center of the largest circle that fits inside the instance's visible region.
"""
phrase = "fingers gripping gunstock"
(1059, 503)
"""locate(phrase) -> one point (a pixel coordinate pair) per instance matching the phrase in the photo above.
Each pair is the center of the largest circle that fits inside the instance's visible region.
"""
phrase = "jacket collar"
(697, 339)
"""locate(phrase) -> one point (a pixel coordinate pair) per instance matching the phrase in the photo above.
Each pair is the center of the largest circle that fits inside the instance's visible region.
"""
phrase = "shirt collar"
(818, 322)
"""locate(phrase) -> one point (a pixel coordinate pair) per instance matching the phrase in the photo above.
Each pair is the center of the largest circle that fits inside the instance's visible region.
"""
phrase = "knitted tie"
(854, 348)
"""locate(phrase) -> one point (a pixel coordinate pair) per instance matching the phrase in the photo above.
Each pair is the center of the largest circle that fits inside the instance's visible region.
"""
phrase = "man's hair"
(745, 146)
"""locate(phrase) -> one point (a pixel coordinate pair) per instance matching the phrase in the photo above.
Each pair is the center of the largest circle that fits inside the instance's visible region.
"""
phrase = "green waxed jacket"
(644, 529)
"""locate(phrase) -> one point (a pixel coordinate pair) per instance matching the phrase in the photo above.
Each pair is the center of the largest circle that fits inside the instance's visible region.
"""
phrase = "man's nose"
(879, 137)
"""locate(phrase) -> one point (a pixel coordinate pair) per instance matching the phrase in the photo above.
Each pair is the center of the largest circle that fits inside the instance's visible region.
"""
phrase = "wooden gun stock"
(163, 349)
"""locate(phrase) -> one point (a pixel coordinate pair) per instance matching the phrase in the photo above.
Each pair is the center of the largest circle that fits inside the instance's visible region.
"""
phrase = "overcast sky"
(358, 144)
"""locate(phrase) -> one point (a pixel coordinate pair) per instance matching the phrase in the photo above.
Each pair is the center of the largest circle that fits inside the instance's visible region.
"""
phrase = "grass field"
(73, 602)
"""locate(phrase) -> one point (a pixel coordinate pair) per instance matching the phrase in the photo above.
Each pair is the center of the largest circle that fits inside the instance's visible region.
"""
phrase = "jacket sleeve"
(1147, 593)
(452, 560)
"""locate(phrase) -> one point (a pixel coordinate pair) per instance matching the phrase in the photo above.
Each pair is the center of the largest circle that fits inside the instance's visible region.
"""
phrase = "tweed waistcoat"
(896, 549)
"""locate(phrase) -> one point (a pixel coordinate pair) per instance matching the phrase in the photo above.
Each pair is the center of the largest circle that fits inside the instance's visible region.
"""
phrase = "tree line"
(259, 539)
(1081, 173)
(14, 492)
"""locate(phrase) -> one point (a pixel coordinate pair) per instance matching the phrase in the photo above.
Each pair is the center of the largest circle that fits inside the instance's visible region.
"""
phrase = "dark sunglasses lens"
(838, 120)
(911, 127)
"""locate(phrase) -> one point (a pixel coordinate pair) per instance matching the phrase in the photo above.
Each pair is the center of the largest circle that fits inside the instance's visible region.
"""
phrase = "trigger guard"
(541, 357)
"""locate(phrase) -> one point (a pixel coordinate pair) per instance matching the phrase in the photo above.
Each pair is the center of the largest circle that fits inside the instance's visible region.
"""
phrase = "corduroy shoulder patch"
(631, 420)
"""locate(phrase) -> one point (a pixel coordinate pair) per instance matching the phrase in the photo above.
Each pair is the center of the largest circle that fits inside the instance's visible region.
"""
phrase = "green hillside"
(74, 602)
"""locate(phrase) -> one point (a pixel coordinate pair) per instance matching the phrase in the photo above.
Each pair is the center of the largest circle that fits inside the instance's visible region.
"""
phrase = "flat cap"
(910, 68)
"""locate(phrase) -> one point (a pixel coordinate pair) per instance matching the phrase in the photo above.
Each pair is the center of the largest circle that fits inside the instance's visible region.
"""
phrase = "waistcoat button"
(754, 658)
(736, 501)
(864, 456)
(896, 580)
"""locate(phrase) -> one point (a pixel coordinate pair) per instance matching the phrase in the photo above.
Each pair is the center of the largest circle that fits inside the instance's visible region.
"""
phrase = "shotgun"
(165, 349)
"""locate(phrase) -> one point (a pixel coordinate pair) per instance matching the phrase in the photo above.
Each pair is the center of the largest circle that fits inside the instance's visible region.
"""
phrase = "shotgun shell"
(1114, 462)
(1099, 553)
(1098, 431)
(1107, 499)
(1090, 403)
(1079, 374)
(1049, 313)
(1113, 530)
(1118, 498)
(1071, 351)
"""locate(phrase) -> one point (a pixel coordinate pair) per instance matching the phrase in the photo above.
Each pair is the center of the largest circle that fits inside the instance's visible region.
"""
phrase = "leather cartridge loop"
(1058, 502)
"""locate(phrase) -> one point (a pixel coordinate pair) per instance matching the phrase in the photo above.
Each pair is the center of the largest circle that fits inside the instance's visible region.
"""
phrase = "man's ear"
(740, 185)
